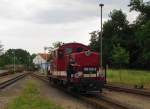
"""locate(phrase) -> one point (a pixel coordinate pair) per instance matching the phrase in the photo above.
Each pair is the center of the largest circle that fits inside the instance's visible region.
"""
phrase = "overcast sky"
(33, 24)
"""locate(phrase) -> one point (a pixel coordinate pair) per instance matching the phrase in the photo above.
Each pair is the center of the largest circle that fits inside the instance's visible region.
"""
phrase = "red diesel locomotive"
(74, 65)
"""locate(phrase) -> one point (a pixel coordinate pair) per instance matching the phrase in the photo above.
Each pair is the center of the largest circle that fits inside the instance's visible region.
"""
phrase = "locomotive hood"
(86, 58)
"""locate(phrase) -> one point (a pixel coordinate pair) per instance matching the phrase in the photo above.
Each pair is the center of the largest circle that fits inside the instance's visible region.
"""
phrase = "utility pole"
(29, 61)
(101, 41)
(14, 61)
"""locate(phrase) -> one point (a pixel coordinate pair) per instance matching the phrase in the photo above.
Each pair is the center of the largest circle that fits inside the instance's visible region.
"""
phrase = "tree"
(142, 32)
(57, 44)
(141, 7)
(21, 56)
(120, 56)
(115, 31)
(136, 5)
(2, 61)
(1, 55)
(133, 38)
(94, 41)
(143, 37)
(54, 45)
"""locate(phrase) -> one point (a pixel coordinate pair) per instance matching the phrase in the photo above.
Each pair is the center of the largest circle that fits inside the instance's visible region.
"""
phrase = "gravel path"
(133, 100)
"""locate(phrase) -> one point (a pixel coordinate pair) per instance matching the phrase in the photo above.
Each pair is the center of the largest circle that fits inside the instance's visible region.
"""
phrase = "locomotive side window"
(60, 54)
(79, 49)
(68, 50)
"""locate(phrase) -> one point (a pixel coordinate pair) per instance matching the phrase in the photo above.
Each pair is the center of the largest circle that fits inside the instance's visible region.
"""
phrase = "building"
(41, 61)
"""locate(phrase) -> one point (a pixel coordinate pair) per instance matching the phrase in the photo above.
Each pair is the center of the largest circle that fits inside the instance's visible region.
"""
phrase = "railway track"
(128, 90)
(98, 101)
(5, 73)
(9, 72)
(12, 80)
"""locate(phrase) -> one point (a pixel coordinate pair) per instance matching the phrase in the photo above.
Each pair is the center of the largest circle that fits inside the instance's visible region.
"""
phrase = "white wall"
(38, 60)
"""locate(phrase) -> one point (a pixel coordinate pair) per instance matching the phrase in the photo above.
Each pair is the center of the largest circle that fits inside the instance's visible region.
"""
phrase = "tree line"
(125, 44)
(15, 56)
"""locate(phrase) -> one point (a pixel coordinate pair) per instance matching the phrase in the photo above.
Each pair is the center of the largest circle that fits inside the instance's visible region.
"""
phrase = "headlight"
(88, 53)
(79, 74)
(76, 75)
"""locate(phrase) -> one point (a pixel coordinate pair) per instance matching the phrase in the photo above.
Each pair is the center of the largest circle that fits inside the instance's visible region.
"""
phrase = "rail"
(128, 90)
(11, 81)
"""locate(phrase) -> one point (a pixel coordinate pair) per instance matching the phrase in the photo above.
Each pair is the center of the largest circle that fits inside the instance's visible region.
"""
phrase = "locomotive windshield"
(68, 50)
(79, 49)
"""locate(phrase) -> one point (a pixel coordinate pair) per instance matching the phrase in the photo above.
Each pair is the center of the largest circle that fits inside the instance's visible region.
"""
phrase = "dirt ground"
(10, 92)
(133, 100)
(53, 94)
(66, 101)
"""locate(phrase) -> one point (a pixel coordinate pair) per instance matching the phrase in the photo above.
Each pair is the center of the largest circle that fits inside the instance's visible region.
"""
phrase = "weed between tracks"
(30, 98)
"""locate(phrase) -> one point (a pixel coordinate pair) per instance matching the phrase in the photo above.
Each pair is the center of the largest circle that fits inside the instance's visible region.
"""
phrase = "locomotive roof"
(73, 43)
(66, 45)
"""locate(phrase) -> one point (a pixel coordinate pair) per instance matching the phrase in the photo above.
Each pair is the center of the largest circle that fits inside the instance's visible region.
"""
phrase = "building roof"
(44, 56)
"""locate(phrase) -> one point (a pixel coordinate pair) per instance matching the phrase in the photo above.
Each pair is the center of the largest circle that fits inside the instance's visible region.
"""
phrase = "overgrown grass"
(31, 99)
(129, 77)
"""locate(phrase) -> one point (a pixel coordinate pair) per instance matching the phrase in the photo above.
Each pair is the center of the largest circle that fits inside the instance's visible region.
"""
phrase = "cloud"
(33, 24)
(49, 11)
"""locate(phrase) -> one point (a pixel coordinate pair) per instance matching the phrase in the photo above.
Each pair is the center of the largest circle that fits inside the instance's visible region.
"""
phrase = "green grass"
(129, 77)
(30, 98)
